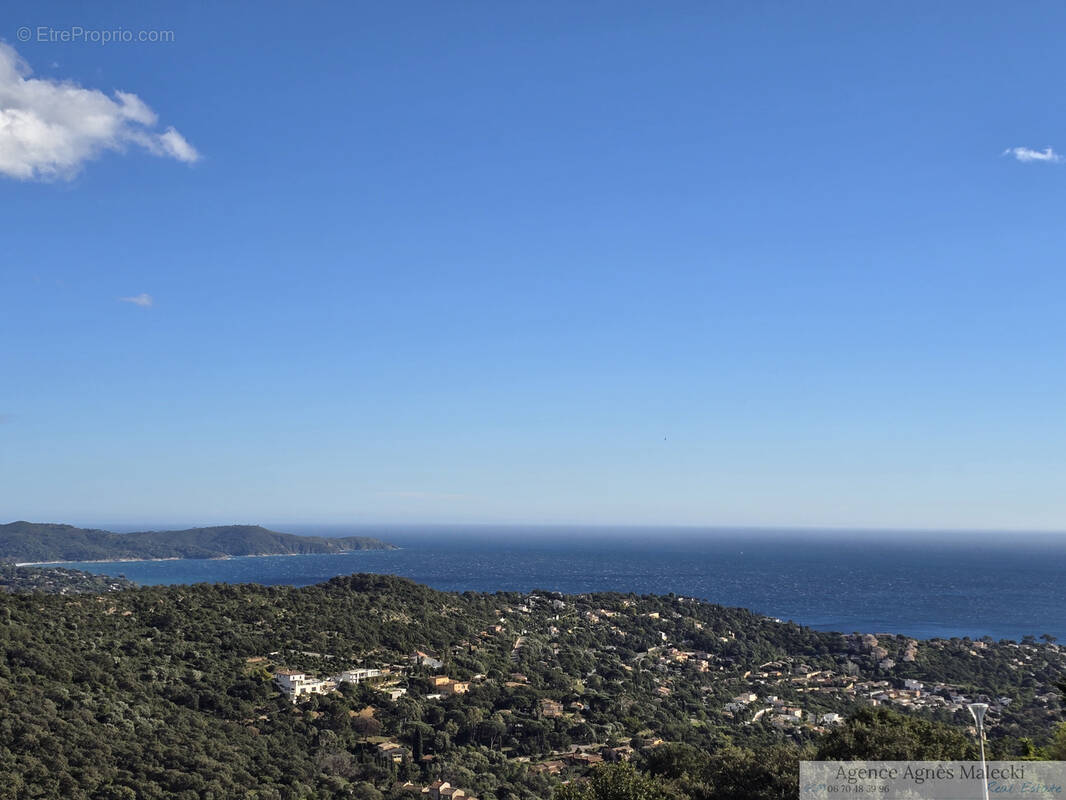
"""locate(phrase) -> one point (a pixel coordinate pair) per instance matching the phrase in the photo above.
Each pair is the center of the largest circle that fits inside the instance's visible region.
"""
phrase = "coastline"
(205, 558)
(910, 589)
(100, 561)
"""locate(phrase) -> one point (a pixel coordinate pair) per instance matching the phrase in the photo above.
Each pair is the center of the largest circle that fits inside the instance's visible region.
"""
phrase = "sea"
(924, 585)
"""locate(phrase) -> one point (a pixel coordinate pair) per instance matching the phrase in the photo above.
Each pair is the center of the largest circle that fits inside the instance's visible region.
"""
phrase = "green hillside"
(168, 692)
(32, 541)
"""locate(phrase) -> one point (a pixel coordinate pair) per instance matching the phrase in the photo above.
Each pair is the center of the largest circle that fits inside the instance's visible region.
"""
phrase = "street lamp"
(979, 710)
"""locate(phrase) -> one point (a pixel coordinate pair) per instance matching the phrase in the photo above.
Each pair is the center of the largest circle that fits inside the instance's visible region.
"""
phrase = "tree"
(879, 734)
(613, 782)
(366, 791)
(418, 745)
(673, 761)
(492, 731)
(766, 774)
(112, 792)
(1057, 749)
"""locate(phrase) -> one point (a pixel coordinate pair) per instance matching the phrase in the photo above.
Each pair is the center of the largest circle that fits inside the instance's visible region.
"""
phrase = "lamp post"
(978, 710)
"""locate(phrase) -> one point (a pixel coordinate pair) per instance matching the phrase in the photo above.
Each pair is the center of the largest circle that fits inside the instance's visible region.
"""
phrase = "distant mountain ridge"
(35, 541)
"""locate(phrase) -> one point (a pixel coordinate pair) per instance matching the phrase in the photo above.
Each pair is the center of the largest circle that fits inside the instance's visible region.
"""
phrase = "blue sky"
(693, 263)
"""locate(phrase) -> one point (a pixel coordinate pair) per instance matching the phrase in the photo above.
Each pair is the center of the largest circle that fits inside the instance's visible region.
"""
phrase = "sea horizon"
(336, 529)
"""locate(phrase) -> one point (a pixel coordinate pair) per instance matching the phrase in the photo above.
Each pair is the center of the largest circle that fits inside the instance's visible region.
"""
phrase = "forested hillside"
(169, 693)
(37, 542)
(57, 580)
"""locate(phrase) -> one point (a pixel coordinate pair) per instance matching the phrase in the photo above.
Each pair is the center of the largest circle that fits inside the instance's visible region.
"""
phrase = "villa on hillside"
(391, 751)
(438, 790)
(420, 659)
(358, 675)
(296, 684)
(550, 708)
(447, 686)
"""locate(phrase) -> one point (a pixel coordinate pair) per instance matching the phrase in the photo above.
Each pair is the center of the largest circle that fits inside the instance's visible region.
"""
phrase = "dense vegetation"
(57, 580)
(166, 692)
(34, 542)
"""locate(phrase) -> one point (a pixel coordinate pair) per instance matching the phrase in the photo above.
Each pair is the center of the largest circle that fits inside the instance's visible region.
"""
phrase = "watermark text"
(77, 34)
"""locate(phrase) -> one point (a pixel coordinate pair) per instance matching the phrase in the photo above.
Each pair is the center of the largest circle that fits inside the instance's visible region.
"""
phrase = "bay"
(921, 585)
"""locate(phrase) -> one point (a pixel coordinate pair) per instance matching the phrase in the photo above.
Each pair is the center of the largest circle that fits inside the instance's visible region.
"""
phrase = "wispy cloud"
(1027, 154)
(50, 128)
(143, 300)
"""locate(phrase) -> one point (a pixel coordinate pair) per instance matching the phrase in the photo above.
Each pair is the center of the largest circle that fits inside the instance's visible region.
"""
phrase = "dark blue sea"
(923, 585)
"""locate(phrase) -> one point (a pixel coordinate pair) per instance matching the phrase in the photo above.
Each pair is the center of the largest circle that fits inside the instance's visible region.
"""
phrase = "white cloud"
(1027, 154)
(143, 300)
(176, 146)
(50, 128)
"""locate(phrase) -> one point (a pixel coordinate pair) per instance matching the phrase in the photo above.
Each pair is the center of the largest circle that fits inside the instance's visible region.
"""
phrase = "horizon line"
(717, 527)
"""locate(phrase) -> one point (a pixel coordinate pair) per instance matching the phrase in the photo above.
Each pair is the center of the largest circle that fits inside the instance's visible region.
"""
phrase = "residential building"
(550, 708)
(296, 684)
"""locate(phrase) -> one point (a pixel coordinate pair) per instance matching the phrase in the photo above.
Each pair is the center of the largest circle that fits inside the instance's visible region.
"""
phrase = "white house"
(297, 684)
(357, 675)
